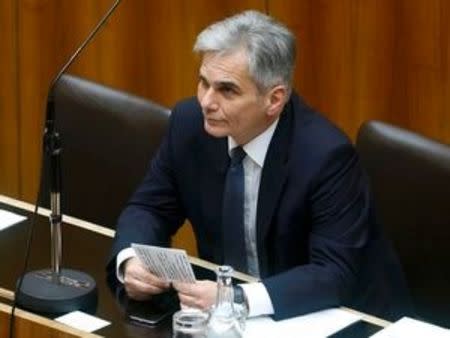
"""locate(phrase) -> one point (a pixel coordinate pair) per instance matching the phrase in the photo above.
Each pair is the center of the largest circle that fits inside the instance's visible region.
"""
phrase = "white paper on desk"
(318, 324)
(8, 218)
(82, 321)
(167, 263)
(412, 328)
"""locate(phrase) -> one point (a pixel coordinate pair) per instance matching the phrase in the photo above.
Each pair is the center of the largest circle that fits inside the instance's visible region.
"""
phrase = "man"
(308, 226)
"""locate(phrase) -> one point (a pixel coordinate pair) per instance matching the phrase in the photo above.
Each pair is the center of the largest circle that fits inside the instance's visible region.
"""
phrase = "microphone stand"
(53, 149)
(57, 290)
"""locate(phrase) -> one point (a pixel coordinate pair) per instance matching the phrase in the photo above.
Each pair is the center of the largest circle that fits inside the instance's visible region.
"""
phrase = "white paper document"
(412, 328)
(8, 218)
(167, 263)
(82, 321)
(318, 324)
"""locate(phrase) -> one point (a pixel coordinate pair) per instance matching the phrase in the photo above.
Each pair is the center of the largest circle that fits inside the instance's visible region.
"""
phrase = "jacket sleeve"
(338, 204)
(154, 212)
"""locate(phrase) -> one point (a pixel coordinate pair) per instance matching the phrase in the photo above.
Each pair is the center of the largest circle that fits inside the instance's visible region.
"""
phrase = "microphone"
(57, 290)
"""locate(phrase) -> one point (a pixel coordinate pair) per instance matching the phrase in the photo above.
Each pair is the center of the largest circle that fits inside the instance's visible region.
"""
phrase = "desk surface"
(86, 248)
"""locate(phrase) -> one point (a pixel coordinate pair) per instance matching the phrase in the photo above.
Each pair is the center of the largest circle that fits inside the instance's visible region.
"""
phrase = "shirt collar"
(256, 149)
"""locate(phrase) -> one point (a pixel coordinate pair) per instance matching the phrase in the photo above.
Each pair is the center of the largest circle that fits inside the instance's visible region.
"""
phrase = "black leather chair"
(410, 177)
(108, 138)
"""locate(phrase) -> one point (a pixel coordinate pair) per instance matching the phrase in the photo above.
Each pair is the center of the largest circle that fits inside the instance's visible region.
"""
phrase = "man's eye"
(227, 90)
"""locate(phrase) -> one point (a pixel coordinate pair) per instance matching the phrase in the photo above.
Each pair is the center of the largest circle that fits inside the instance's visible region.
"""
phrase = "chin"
(215, 131)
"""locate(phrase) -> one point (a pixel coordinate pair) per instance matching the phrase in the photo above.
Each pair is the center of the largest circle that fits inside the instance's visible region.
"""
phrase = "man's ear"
(276, 97)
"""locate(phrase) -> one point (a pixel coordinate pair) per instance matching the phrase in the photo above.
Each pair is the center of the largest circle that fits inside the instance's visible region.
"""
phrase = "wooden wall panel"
(45, 41)
(444, 37)
(358, 60)
(422, 59)
(365, 59)
(9, 165)
(145, 49)
(147, 46)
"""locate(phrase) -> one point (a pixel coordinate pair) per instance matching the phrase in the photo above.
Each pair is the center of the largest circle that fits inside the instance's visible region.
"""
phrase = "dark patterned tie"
(233, 213)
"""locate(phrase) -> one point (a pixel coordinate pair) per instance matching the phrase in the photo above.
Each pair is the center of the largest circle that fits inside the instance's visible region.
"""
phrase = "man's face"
(230, 100)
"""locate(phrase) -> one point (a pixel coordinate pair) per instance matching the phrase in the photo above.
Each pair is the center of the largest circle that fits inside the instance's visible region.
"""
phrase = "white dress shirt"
(258, 298)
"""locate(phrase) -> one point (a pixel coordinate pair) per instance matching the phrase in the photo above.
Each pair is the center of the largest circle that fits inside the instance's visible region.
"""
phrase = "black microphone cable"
(27, 252)
(34, 216)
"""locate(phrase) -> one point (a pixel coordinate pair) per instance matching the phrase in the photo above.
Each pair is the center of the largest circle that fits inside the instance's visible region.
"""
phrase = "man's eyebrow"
(230, 84)
(202, 78)
(220, 84)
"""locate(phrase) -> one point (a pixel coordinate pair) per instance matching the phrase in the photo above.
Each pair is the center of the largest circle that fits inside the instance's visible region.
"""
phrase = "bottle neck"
(224, 320)
(225, 293)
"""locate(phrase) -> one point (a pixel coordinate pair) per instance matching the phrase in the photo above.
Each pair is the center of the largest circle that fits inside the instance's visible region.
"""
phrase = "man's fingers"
(186, 288)
(135, 269)
(139, 283)
(140, 290)
(149, 278)
(155, 281)
(143, 286)
(195, 302)
(201, 294)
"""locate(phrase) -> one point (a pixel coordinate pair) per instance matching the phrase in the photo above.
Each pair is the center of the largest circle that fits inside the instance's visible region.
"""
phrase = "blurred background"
(357, 60)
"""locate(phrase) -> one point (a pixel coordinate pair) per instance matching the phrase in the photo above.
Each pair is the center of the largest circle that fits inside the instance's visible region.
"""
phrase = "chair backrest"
(410, 177)
(108, 138)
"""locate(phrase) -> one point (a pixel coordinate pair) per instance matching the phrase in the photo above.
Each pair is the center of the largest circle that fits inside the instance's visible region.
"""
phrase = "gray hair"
(269, 45)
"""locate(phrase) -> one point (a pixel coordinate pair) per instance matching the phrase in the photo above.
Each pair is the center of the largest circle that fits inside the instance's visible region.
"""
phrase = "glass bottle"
(225, 321)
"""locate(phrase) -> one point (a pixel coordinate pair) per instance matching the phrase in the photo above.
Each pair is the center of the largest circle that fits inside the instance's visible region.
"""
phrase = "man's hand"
(201, 294)
(139, 283)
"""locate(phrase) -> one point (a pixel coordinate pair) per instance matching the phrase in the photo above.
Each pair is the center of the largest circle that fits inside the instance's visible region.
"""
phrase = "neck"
(244, 139)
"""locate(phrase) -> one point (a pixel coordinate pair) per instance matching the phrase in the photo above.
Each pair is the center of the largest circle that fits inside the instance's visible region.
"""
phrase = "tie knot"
(237, 155)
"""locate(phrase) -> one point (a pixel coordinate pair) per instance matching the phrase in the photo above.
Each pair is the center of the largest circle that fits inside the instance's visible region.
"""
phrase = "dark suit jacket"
(318, 241)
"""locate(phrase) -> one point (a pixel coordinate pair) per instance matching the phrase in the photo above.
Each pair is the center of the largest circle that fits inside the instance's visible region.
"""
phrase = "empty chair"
(108, 137)
(410, 178)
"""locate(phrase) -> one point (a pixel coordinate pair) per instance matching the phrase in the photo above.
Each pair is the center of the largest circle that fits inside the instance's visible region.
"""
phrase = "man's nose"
(208, 101)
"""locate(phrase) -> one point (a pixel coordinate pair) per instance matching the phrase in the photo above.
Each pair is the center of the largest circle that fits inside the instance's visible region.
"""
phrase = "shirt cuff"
(259, 302)
(121, 258)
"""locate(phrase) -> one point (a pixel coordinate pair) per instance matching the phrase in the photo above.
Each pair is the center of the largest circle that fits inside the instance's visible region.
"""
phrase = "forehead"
(225, 67)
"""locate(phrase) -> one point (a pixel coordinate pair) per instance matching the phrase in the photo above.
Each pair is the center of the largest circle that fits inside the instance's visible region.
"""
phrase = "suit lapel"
(217, 151)
(273, 177)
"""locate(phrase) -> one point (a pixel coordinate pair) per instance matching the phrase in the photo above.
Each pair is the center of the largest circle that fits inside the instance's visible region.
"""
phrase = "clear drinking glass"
(189, 323)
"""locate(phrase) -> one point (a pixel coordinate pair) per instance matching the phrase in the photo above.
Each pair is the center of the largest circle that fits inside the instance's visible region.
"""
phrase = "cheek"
(245, 119)
(230, 117)
(236, 115)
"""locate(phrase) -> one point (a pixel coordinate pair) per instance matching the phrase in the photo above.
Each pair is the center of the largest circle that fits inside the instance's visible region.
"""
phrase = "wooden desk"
(86, 247)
